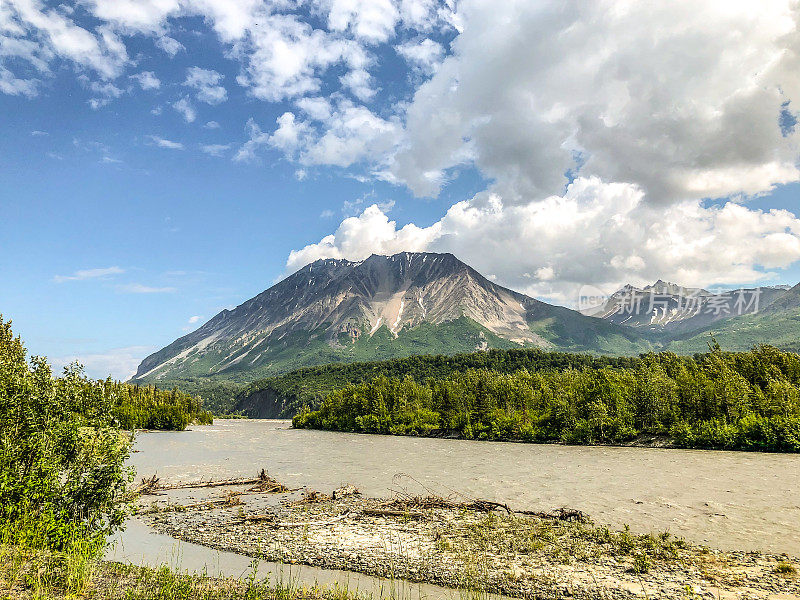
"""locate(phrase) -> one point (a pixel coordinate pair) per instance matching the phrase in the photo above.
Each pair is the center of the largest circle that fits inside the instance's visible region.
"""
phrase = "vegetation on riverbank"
(24, 576)
(734, 401)
(62, 474)
(63, 483)
(285, 395)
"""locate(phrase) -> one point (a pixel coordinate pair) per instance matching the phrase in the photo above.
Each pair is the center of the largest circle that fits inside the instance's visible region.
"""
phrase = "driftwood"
(268, 485)
(262, 483)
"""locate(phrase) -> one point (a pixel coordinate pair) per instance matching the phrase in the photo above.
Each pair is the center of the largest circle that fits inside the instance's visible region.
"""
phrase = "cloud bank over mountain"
(621, 140)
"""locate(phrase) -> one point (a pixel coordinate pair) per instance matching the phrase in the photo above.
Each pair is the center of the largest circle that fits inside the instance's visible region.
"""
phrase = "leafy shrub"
(61, 465)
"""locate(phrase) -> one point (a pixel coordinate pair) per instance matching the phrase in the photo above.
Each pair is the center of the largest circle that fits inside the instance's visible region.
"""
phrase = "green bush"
(61, 455)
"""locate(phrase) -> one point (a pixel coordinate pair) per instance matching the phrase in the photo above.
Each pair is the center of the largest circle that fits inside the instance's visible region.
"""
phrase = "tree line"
(287, 394)
(735, 401)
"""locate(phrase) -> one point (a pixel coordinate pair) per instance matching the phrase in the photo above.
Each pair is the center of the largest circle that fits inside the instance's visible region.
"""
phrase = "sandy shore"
(460, 546)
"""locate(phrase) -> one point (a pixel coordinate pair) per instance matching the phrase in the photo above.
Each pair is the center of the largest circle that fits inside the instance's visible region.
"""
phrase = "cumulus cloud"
(284, 56)
(186, 110)
(84, 274)
(424, 54)
(679, 98)
(36, 34)
(350, 134)
(603, 234)
(169, 45)
(147, 80)
(208, 85)
(370, 20)
(358, 237)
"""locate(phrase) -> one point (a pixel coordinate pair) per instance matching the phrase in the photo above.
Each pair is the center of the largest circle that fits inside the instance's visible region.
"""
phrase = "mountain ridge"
(335, 309)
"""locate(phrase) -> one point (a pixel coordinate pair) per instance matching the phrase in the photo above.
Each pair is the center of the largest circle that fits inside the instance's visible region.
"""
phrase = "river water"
(728, 500)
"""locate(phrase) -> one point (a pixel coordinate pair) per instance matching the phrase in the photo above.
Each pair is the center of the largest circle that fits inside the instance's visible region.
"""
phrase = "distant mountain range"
(425, 303)
(673, 308)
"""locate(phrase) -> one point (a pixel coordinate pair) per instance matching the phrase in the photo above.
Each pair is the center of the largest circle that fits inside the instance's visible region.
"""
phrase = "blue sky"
(162, 160)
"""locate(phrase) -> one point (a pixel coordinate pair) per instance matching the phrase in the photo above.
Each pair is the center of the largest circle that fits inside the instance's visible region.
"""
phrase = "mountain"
(671, 308)
(379, 308)
(777, 324)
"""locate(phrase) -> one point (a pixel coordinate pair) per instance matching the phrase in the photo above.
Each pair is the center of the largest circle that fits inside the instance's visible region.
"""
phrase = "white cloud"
(370, 20)
(84, 274)
(169, 45)
(300, 174)
(38, 133)
(596, 233)
(679, 98)
(192, 323)
(185, 108)
(147, 80)
(119, 363)
(207, 83)
(352, 134)
(104, 92)
(358, 237)
(215, 149)
(14, 86)
(56, 35)
(163, 143)
(290, 134)
(138, 288)
(424, 54)
(317, 108)
(258, 138)
(359, 82)
(211, 125)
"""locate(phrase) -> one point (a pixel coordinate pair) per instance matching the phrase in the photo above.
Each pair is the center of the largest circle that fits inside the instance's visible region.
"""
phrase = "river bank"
(459, 544)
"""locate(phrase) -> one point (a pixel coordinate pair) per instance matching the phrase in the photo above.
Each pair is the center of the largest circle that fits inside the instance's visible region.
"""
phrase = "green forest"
(285, 395)
(718, 400)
